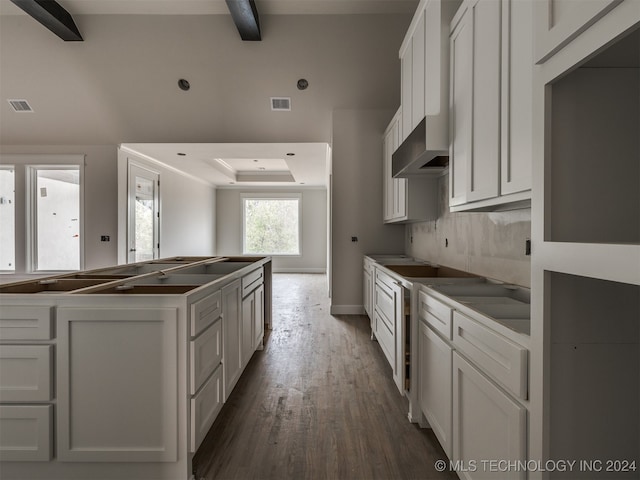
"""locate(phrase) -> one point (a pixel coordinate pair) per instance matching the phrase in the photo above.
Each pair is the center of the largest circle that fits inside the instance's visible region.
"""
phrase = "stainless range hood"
(414, 157)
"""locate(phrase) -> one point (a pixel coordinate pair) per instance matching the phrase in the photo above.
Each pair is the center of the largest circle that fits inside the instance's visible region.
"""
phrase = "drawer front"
(205, 355)
(497, 356)
(25, 322)
(437, 314)
(205, 406)
(252, 280)
(385, 339)
(204, 312)
(384, 306)
(25, 373)
(25, 433)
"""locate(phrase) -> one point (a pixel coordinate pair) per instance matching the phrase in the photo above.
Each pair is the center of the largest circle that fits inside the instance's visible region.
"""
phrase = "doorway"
(143, 242)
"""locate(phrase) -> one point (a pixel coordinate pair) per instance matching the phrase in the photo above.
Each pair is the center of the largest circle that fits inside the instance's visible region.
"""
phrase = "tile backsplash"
(490, 244)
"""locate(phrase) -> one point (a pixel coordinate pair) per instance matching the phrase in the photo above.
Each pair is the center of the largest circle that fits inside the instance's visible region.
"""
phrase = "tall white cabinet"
(585, 326)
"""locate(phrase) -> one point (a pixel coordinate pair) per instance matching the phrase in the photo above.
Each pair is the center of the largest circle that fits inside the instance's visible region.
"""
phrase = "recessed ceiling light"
(232, 183)
(256, 161)
(261, 168)
(182, 154)
(301, 183)
(290, 154)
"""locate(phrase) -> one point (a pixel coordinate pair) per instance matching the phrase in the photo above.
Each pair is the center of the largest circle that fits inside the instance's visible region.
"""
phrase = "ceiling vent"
(20, 106)
(281, 104)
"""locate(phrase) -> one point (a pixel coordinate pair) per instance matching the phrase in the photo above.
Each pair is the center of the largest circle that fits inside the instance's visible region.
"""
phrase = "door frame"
(134, 168)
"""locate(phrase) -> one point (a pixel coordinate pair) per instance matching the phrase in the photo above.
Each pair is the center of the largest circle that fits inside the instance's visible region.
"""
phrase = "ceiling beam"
(245, 16)
(50, 14)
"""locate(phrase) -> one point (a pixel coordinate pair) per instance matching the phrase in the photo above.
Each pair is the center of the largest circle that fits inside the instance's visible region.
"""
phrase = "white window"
(7, 219)
(55, 221)
(271, 224)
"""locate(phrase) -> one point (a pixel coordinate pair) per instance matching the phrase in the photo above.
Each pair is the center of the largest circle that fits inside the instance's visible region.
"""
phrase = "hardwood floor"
(317, 402)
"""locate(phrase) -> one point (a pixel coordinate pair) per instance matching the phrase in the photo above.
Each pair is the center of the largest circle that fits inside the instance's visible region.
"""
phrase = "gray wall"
(313, 222)
(357, 203)
(489, 244)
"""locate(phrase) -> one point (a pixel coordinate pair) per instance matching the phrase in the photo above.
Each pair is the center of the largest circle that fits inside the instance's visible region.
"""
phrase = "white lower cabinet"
(489, 426)
(435, 357)
(472, 387)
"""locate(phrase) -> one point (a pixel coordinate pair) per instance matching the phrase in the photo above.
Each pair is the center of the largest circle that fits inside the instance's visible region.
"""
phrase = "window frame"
(32, 214)
(271, 196)
(24, 200)
(12, 168)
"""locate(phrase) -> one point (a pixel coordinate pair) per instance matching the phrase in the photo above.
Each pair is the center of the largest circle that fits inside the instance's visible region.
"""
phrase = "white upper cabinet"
(558, 22)
(490, 105)
(424, 56)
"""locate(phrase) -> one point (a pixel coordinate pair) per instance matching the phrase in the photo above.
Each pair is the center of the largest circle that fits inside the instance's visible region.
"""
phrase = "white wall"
(314, 228)
(357, 203)
(187, 209)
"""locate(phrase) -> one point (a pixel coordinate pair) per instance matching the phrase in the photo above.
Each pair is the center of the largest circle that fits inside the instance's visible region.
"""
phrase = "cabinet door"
(434, 364)
(418, 72)
(517, 97)
(248, 314)
(558, 22)
(387, 179)
(487, 423)
(258, 318)
(117, 384)
(461, 48)
(231, 330)
(484, 162)
(366, 289)
(406, 74)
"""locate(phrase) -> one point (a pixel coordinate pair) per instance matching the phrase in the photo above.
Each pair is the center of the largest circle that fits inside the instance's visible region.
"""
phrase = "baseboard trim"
(347, 310)
(299, 270)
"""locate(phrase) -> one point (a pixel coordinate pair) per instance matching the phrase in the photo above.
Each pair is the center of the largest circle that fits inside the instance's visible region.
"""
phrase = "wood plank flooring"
(317, 403)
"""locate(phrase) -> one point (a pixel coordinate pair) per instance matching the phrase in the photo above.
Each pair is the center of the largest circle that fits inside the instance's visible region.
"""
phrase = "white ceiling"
(251, 164)
(217, 7)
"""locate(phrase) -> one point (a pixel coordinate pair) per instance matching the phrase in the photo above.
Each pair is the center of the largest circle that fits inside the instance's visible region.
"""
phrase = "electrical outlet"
(104, 238)
(527, 246)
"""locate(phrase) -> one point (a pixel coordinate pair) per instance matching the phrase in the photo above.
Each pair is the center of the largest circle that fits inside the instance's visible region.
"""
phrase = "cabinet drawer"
(251, 280)
(204, 312)
(496, 355)
(437, 314)
(385, 339)
(384, 305)
(25, 373)
(204, 408)
(205, 355)
(25, 433)
(25, 322)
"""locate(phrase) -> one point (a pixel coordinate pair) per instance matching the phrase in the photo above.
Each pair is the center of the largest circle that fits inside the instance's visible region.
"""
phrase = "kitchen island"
(120, 372)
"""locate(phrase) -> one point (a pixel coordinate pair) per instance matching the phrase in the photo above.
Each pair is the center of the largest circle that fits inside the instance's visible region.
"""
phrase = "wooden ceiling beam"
(245, 16)
(53, 16)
